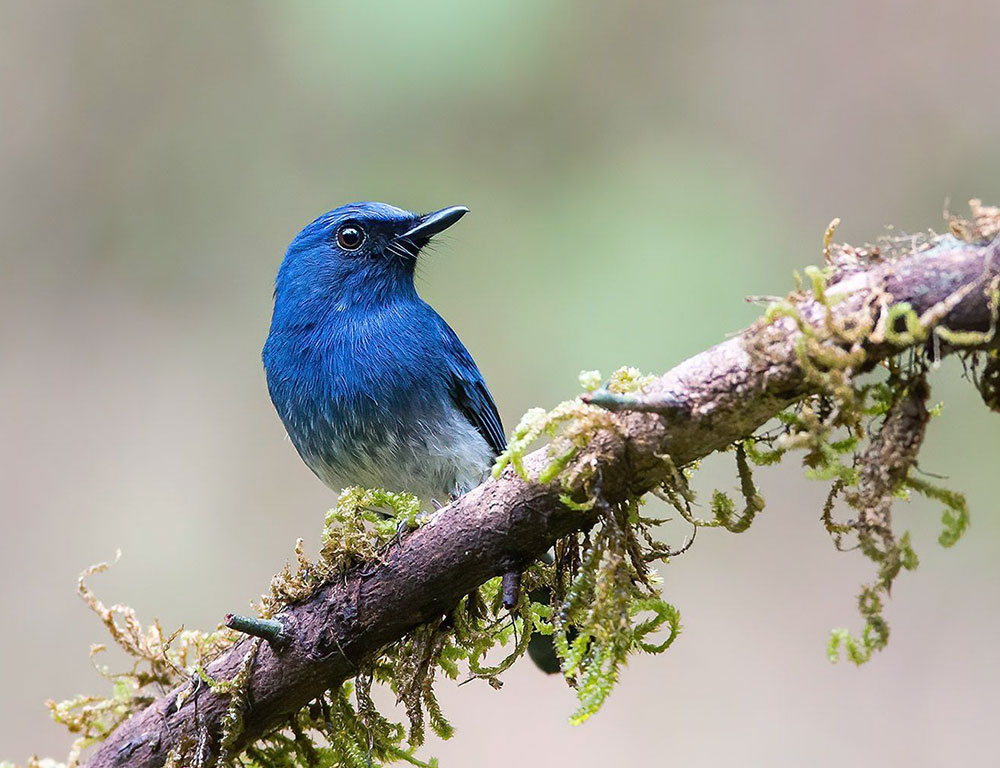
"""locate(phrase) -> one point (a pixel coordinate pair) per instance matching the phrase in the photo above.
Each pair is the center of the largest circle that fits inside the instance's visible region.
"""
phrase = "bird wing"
(469, 391)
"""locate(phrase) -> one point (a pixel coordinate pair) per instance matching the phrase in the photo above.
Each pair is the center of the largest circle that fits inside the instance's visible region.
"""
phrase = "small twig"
(612, 401)
(271, 630)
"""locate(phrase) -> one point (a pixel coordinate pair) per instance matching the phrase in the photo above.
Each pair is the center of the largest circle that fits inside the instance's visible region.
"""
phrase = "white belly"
(429, 460)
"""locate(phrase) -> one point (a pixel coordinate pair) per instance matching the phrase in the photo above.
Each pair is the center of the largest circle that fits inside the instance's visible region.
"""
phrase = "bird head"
(361, 253)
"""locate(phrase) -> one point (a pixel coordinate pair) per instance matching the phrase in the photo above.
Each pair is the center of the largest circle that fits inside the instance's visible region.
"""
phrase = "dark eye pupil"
(350, 237)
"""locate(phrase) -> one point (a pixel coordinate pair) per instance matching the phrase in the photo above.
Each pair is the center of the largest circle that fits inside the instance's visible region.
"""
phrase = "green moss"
(158, 660)
(954, 519)
(569, 427)
(975, 338)
(985, 369)
(863, 438)
(232, 721)
(607, 603)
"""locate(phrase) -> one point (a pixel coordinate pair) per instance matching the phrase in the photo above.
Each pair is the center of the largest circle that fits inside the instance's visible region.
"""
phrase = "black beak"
(431, 224)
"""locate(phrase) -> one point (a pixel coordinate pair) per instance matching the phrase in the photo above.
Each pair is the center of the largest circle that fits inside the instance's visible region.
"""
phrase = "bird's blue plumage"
(373, 387)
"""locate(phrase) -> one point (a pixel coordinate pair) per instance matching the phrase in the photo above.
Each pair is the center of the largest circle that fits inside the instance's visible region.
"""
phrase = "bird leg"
(510, 588)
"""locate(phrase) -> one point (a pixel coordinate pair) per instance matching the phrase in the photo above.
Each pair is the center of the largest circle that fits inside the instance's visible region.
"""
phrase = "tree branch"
(700, 406)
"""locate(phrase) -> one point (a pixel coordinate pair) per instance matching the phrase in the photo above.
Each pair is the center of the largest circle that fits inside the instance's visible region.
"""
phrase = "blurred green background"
(634, 169)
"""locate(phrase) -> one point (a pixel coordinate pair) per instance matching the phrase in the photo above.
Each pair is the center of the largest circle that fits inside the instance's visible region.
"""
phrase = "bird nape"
(373, 386)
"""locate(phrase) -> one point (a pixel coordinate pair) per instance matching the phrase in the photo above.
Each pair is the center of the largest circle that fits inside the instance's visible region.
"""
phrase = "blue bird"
(373, 386)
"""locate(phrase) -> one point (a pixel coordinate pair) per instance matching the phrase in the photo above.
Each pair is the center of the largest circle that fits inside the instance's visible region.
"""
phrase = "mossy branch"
(861, 309)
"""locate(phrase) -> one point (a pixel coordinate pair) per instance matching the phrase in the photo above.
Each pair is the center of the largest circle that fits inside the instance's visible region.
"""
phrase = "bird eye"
(350, 237)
